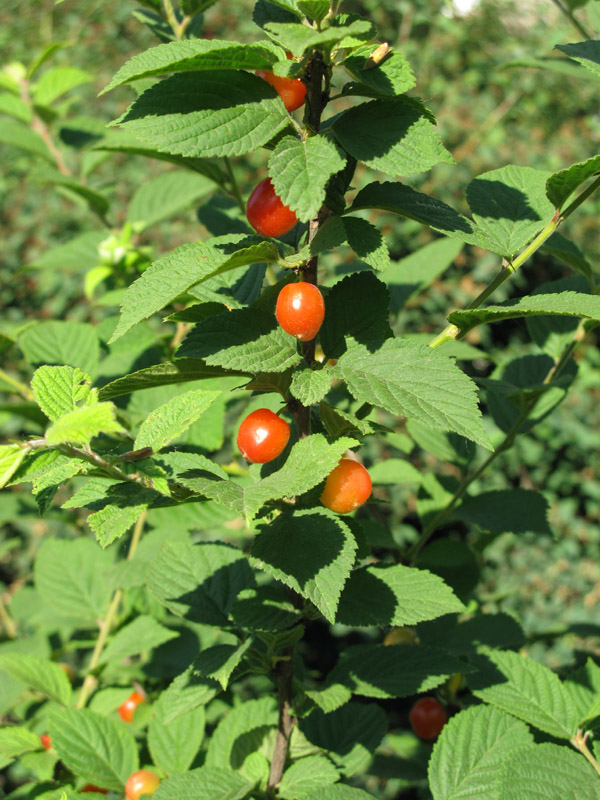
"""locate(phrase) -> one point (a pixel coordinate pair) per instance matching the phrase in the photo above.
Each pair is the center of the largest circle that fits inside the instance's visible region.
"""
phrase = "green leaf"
(561, 185)
(60, 390)
(414, 273)
(310, 551)
(394, 471)
(586, 53)
(405, 201)
(94, 747)
(15, 107)
(114, 519)
(315, 10)
(396, 136)
(391, 77)
(16, 134)
(79, 253)
(194, 55)
(264, 608)
(573, 304)
(547, 772)
(199, 582)
(39, 674)
(144, 633)
(509, 206)
(186, 693)
(338, 792)
(69, 575)
(467, 758)
(181, 370)
(343, 328)
(15, 741)
(340, 423)
(244, 339)
(205, 783)
(201, 118)
(392, 594)
(97, 202)
(169, 421)
(298, 38)
(349, 735)
(463, 637)
(82, 424)
(309, 462)
(58, 81)
(306, 775)
(400, 670)
(11, 458)
(121, 142)
(300, 170)
(184, 267)
(366, 241)
(418, 383)
(310, 386)
(165, 196)
(527, 690)
(562, 248)
(242, 732)
(74, 344)
(219, 662)
(174, 745)
(506, 511)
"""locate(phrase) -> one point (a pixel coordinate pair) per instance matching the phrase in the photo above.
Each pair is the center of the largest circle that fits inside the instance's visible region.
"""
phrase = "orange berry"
(347, 487)
(144, 781)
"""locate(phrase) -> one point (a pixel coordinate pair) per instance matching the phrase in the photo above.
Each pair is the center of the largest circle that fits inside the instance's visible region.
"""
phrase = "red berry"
(291, 90)
(300, 310)
(89, 787)
(427, 718)
(262, 436)
(347, 487)
(127, 709)
(46, 741)
(144, 781)
(266, 212)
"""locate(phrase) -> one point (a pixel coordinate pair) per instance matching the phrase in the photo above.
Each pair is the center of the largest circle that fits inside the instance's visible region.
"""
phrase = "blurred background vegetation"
(481, 75)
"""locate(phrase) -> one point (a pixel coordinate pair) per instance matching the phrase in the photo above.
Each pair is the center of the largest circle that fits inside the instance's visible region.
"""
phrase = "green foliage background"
(493, 108)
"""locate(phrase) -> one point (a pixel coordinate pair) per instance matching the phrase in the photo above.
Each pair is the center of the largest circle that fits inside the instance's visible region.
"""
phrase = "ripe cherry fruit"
(266, 212)
(262, 436)
(127, 709)
(347, 487)
(291, 90)
(427, 718)
(46, 741)
(144, 781)
(300, 310)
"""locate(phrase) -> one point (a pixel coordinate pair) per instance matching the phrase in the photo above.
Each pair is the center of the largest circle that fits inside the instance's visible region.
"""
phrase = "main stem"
(105, 626)
(316, 100)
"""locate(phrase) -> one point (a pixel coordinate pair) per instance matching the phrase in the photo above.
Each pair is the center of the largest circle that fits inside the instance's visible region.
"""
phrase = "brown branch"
(317, 77)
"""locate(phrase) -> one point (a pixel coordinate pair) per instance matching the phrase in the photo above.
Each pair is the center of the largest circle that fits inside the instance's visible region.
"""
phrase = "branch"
(106, 624)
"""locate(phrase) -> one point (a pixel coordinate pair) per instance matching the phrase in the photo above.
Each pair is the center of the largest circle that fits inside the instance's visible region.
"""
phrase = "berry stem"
(106, 624)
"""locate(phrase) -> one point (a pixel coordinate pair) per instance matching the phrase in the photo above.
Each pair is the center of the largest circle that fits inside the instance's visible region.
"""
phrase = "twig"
(40, 127)
(579, 741)
(7, 622)
(90, 681)
(564, 9)
(506, 443)
(508, 268)
(21, 388)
